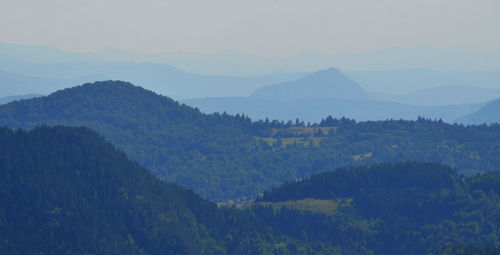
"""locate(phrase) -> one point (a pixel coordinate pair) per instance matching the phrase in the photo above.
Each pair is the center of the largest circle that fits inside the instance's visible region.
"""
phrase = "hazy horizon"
(275, 28)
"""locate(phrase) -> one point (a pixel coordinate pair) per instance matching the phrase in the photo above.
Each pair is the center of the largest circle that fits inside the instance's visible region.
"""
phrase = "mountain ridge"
(328, 83)
(223, 157)
(485, 115)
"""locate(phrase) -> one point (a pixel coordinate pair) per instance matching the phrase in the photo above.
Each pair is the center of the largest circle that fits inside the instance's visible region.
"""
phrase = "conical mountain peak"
(328, 83)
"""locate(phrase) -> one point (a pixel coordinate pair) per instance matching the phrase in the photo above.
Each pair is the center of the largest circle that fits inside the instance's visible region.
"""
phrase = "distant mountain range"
(329, 92)
(385, 59)
(446, 95)
(314, 110)
(489, 113)
(164, 79)
(4, 100)
(13, 84)
(363, 95)
(405, 81)
(22, 73)
(397, 70)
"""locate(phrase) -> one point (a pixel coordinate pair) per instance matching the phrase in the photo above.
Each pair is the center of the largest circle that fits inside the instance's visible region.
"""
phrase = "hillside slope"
(489, 113)
(404, 208)
(329, 83)
(224, 157)
(156, 131)
(68, 191)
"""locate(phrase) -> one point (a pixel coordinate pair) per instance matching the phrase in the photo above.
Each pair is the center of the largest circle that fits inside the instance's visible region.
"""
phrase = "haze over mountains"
(330, 92)
(162, 78)
(66, 190)
(409, 58)
(4, 100)
(264, 127)
(404, 81)
(329, 83)
(488, 114)
(445, 95)
(43, 61)
(362, 95)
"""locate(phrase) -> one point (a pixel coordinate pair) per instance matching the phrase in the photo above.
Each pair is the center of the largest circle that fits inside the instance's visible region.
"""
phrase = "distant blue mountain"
(4, 100)
(23, 77)
(445, 95)
(401, 69)
(407, 81)
(488, 114)
(395, 58)
(329, 92)
(329, 83)
(12, 84)
(314, 110)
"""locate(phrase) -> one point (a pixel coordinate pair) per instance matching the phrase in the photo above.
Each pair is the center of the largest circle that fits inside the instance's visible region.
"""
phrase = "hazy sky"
(262, 27)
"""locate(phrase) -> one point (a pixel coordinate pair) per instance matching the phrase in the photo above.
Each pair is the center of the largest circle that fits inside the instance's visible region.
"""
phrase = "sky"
(259, 27)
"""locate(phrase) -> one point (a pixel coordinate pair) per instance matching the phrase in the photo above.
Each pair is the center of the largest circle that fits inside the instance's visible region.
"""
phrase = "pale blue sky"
(261, 27)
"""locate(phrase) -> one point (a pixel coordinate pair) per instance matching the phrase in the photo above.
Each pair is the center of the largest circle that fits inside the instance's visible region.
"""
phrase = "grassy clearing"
(362, 156)
(304, 130)
(306, 141)
(328, 207)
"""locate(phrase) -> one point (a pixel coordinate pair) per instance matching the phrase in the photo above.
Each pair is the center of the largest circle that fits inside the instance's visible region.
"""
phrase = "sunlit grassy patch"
(328, 207)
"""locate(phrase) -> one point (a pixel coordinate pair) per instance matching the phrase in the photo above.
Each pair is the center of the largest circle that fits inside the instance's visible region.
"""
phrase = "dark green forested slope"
(67, 191)
(405, 208)
(471, 250)
(175, 141)
(224, 157)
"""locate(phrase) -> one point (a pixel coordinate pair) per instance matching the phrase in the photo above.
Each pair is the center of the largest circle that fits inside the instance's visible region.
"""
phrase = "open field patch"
(328, 207)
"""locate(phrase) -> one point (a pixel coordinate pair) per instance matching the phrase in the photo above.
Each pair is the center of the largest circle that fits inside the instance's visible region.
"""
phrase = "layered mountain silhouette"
(405, 81)
(19, 76)
(68, 191)
(445, 95)
(4, 100)
(329, 83)
(222, 156)
(488, 114)
(330, 92)
(314, 110)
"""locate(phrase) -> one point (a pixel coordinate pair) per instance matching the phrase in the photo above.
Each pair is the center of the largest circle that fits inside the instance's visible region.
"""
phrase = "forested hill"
(154, 130)
(405, 208)
(223, 157)
(68, 191)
